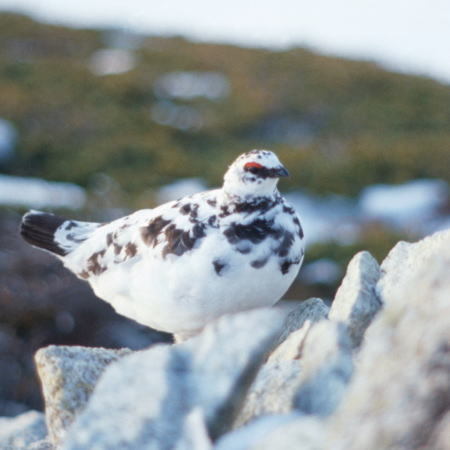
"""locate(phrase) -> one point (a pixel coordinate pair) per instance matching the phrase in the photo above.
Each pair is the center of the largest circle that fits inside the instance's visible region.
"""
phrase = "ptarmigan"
(181, 265)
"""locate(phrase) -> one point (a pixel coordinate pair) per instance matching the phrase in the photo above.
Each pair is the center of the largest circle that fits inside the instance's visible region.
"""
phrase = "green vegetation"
(338, 125)
(358, 124)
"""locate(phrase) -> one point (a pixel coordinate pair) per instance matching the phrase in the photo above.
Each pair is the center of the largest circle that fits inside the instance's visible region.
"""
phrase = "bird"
(185, 263)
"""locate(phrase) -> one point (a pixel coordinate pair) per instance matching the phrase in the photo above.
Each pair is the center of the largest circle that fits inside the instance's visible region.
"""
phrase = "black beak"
(281, 172)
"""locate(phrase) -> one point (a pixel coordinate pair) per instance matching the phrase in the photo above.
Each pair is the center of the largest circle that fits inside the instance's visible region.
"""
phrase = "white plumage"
(180, 265)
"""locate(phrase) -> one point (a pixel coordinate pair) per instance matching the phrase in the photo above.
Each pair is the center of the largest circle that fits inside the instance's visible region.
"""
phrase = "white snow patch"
(189, 85)
(112, 61)
(404, 204)
(38, 193)
(418, 206)
(181, 117)
(326, 218)
(179, 189)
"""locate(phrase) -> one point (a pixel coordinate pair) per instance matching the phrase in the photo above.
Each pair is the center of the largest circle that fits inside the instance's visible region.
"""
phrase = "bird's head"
(255, 173)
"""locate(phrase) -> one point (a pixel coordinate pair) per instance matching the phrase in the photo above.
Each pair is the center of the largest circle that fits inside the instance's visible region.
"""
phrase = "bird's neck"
(233, 203)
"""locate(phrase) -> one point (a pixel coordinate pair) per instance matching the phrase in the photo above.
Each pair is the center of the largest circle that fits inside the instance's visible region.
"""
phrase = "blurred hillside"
(147, 110)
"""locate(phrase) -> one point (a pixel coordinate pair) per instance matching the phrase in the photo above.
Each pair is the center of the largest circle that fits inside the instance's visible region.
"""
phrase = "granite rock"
(145, 400)
(228, 389)
(305, 433)
(400, 395)
(313, 309)
(246, 436)
(21, 431)
(275, 387)
(194, 435)
(43, 444)
(292, 347)
(68, 376)
(356, 301)
(326, 369)
(280, 432)
(272, 392)
(440, 436)
(312, 382)
(404, 260)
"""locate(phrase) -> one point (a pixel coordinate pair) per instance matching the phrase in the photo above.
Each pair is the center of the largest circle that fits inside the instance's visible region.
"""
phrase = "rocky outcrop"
(356, 301)
(272, 392)
(22, 431)
(68, 376)
(277, 432)
(165, 396)
(400, 395)
(312, 310)
(373, 373)
(312, 381)
(326, 369)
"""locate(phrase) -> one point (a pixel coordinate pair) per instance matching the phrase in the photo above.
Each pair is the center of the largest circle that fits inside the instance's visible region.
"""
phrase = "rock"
(44, 444)
(298, 322)
(326, 369)
(68, 376)
(356, 301)
(280, 432)
(145, 400)
(245, 437)
(440, 437)
(313, 384)
(301, 395)
(292, 347)
(404, 259)
(244, 341)
(21, 431)
(272, 392)
(141, 402)
(305, 433)
(313, 309)
(194, 435)
(401, 392)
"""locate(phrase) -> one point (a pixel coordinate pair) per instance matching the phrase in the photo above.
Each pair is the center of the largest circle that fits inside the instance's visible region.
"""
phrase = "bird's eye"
(253, 167)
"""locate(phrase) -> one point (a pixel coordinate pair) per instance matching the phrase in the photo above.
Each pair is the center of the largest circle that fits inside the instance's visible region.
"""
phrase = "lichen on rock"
(68, 376)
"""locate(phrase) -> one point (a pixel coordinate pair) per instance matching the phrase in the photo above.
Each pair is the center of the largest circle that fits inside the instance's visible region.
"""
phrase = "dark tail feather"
(39, 228)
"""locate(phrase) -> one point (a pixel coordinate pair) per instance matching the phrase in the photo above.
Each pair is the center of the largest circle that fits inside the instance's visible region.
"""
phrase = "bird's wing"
(170, 229)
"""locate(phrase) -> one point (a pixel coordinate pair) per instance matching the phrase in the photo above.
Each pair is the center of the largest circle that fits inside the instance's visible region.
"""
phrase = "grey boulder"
(21, 431)
(272, 392)
(326, 369)
(277, 432)
(312, 383)
(146, 399)
(356, 301)
(68, 376)
(400, 395)
(400, 268)
(312, 309)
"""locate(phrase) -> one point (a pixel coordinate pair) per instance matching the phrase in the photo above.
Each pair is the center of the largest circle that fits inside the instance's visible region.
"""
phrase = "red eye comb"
(250, 165)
